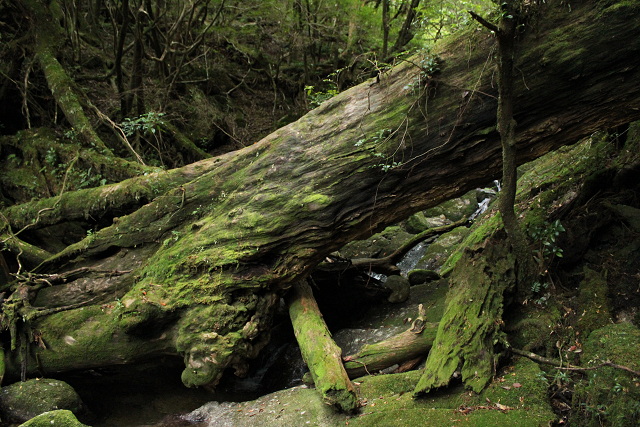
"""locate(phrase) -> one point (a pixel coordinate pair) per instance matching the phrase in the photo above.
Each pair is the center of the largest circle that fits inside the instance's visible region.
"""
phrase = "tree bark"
(198, 265)
(470, 326)
(385, 27)
(319, 351)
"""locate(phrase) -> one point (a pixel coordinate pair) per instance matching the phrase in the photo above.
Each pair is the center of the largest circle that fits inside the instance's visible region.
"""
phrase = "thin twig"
(558, 365)
(607, 363)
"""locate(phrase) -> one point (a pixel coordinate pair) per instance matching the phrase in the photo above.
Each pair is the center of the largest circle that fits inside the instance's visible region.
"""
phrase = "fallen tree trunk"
(398, 349)
(319, 351)
(199, 265)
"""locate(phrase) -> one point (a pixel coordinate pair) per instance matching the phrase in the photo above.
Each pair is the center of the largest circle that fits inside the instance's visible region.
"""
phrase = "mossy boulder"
(21, 401)
(610, 396)
(419, 276)
(441, 249)
(455, 209)
(387, 402)
(416, 223)
(400, 289)
(59, 418)
(377, 246)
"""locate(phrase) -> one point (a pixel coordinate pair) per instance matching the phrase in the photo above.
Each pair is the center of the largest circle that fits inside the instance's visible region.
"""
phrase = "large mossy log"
(200, 264)
(319, 351)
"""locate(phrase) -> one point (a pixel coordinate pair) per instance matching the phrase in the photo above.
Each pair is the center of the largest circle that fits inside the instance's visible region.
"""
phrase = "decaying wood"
(319, 351)
(470, 326)
(398, 349)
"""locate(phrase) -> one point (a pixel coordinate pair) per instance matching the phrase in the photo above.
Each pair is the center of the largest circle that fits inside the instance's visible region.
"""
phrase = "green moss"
(526, 324)
(378, 245)
(389, 403)
(481, 230)
(317, 199)
(455, 209)
(609, 396)
(60, 418)
(593, 302)
(416, 223)
(469, 328)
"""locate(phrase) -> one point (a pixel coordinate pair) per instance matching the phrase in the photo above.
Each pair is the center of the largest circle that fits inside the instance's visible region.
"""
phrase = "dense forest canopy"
(206, 67)
(172, 169)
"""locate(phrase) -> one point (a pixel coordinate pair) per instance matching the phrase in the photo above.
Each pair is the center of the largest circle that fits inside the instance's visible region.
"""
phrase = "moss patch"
(60, 418)
(593, 302)
(22, 401)
(609, 396)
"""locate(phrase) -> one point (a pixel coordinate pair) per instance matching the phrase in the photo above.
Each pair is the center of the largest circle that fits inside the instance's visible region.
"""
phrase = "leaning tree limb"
(319, 351)
(387, 265)
(48, 37)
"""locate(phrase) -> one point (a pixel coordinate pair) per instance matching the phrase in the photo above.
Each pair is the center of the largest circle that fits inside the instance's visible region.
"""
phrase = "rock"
(378, 245)
(437, 221)
(485, 193)
(387, 401)
(454, 209)
(21, 401)
(400, 289)
(439, 251)
(419, 276)
(59, 418)
(416, 224)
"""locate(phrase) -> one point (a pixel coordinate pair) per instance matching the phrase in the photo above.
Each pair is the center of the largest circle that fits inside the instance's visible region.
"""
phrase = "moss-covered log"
(210, 252)
(398, 349)
(319, 351)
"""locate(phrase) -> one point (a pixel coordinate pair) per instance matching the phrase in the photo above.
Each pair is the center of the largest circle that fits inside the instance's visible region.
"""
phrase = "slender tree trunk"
(506, 125)
(48, 37)
(406, 34)
(122, 35)
(385, 28)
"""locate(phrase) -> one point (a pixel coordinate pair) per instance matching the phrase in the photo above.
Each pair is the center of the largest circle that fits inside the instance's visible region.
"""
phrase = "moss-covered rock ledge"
(516, 397)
